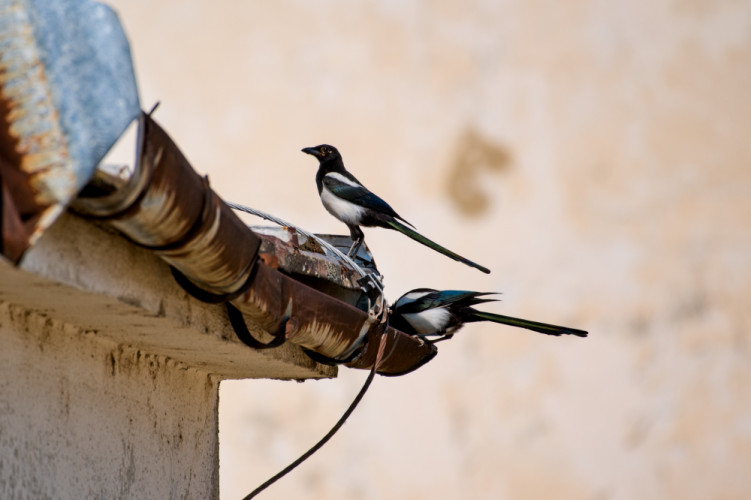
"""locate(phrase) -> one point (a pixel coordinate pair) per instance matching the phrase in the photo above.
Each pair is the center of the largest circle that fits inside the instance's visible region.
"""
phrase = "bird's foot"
(356, 244)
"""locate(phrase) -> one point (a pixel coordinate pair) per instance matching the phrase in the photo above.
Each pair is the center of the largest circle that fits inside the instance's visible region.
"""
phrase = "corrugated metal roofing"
(68, 92)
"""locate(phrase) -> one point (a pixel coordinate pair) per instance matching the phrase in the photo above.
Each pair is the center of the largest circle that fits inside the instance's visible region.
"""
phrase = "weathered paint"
(68, 92)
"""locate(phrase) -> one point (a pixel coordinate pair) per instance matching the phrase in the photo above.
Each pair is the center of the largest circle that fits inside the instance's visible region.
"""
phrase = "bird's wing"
(466, 298)
(442, 298)
(354, 192)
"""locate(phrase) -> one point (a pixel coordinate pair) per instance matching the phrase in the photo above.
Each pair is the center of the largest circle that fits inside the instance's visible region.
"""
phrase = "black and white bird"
(424, 312)
(352, 203)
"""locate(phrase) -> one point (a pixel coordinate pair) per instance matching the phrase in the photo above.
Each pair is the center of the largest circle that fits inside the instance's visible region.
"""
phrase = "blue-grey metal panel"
(67, 81)
(87, 60)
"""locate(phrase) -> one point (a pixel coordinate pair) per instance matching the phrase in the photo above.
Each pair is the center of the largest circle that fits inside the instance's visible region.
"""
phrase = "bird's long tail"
(398, 226)
(529, 325)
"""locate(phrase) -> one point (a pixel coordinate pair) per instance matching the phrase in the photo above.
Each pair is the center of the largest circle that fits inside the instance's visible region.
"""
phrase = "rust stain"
(14, 237)
(269, 259)
(34, 169)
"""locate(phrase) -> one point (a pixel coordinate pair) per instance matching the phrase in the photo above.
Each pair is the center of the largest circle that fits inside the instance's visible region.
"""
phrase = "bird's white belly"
(345, 211)
(429, 321)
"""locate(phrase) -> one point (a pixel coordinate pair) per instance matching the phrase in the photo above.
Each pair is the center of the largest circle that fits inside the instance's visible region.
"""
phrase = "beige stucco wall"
(604, 162)
(84, 417)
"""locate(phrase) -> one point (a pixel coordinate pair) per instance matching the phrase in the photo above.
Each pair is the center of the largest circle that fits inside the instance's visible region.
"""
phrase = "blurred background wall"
(594, 153)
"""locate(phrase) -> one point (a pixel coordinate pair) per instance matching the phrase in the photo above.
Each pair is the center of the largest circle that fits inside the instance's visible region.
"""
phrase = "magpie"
(424, 312)
(352, 203)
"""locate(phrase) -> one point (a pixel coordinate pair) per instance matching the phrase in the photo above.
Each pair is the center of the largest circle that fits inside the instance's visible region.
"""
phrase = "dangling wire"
(377, 312)
(338, 425)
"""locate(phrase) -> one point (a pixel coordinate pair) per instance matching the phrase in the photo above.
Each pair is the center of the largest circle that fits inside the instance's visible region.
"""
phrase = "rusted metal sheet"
(304, 259)
(167, 207)
(294, 251)
(67, 92)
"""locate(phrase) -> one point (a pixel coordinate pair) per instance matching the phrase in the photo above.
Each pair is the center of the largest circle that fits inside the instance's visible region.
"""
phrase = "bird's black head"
(324, 152)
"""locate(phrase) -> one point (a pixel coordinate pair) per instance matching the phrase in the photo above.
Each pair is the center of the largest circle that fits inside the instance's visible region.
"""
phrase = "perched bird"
(425, 312)
(352, 203)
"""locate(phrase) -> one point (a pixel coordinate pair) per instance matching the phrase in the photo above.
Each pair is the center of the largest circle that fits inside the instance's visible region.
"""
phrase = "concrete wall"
(85, 418)
(605, 163)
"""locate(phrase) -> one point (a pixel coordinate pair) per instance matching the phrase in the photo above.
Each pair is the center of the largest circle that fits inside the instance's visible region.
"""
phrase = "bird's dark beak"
(312, 151)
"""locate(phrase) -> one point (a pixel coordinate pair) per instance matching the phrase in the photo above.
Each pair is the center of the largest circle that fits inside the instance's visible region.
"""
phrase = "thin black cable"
(331, 432)
(237, 320)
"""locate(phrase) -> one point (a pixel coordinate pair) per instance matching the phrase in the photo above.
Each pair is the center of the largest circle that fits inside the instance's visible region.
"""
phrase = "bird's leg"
(357, 238)
(354, 248)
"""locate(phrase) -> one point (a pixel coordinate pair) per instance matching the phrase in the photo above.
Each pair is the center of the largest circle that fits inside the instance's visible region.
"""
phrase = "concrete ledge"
(95, 280)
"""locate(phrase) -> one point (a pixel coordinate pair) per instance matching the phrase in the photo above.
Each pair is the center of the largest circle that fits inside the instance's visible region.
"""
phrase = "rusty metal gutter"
(327, 325)
(167, 207)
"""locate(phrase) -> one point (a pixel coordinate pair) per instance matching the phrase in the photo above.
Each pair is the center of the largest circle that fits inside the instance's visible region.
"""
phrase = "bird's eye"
(325, 151)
